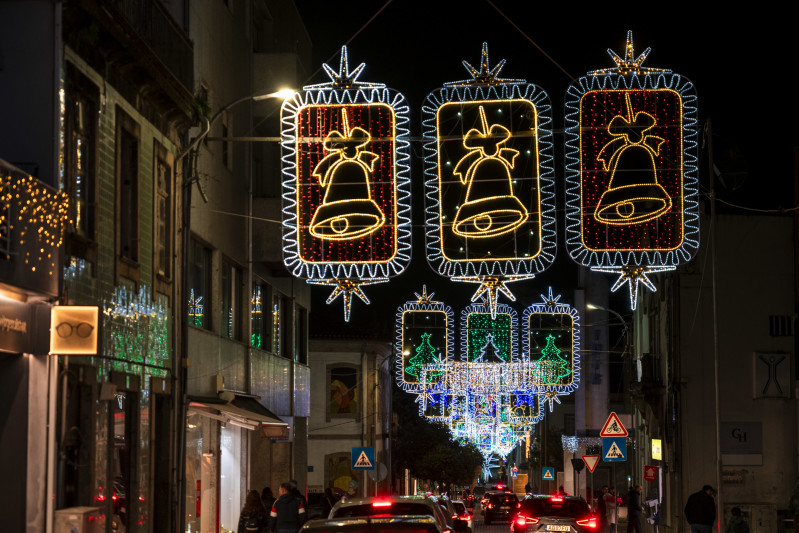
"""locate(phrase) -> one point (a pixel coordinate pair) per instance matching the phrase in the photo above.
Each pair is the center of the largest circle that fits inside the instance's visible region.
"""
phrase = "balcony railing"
(155, 26)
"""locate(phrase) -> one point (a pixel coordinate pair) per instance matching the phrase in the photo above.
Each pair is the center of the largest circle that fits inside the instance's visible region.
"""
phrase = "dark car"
(375, 524)
(453, 519)
(391, 506)
(500, 506)
(463, 512)
(555, 513)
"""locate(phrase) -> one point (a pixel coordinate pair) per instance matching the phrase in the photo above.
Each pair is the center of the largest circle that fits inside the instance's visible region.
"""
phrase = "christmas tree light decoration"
(477, 323)
(195, 309)
(346, 183)
(551, 345)
(427, 322)
(489, 181)
(631, 171)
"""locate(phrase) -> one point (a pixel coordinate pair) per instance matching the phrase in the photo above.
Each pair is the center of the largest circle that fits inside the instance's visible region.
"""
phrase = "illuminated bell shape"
(347, 211)
(491, 208)
(633, 194)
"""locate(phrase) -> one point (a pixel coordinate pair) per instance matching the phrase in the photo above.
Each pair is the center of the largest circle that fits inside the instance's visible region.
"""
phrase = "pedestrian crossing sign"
(363, 458)
(614, 449)
(548, 473)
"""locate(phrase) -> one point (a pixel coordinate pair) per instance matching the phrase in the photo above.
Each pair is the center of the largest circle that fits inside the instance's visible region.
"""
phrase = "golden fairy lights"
(38, 215)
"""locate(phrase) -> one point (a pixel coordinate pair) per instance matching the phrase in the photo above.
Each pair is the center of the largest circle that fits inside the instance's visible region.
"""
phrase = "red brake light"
(589, 522)
(556, 499)
(381, 504)
(524, 520)
(490, 505)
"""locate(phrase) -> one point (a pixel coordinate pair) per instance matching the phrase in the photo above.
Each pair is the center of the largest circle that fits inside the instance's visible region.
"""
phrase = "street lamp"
(180, 400)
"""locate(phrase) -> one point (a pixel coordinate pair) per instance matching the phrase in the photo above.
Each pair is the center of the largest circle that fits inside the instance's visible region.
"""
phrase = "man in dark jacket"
(700, 510)
(288, 512)
(634, 509)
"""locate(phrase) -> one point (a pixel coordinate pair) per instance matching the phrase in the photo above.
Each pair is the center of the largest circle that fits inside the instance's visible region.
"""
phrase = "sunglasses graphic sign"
(73, 330)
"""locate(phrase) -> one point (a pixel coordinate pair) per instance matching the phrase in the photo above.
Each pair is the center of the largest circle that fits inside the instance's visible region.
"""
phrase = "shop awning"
(243, 411)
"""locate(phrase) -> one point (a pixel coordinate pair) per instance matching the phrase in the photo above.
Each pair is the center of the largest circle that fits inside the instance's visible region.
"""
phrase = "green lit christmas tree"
(425, 355)
(489, 352)
(551, 366)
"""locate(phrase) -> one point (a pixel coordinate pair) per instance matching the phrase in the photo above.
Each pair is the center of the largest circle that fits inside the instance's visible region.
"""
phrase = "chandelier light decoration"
(489, 181)
(346, 183)
(631, 171)
(495, 394)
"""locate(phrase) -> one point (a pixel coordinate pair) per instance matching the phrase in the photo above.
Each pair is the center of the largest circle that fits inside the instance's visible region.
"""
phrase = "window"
(80, 168)
(259, 309)
(163, 211)
(300, 334)
(342, 391)
(231, 300)
(199, 285)
(277, 316)
(127, 196)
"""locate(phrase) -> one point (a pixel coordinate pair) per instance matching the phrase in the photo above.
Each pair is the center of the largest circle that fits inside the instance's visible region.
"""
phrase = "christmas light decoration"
(632, 192)
(423, 322)
(551, 344)
(135, 327)
(489, 181)
(477, 324)
(346, 199)
(37, 216)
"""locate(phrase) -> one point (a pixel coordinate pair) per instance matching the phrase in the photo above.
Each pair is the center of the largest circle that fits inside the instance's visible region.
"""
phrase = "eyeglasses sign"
(73, 330)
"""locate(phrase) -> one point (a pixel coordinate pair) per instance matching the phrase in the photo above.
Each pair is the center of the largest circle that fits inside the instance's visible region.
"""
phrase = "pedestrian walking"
(610, 507)
(634, 509)
(288, 512)
(736, 523)
(700, 510)
(253, 515)
(296, 492)
(267, 497)
(601, 509)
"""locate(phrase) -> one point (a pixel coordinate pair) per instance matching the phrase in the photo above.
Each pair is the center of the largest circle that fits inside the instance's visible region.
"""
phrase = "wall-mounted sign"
(73, 330)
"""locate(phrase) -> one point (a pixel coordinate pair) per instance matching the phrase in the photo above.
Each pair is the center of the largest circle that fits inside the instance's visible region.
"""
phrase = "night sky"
(740, 64)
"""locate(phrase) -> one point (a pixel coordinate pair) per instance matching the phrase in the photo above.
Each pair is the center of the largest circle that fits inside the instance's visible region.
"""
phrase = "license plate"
(552, 527)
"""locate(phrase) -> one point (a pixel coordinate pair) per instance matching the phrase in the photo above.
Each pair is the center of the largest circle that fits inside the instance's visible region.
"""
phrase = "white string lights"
(495, 394)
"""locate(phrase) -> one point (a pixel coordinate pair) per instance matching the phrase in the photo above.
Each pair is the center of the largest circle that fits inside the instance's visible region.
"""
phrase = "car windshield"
(396, 508)
(546, 507)
(459, 507)
(504, 499)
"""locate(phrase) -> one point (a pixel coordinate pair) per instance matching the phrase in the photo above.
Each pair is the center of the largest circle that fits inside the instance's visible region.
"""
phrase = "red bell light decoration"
(346, 200)
(631, 171)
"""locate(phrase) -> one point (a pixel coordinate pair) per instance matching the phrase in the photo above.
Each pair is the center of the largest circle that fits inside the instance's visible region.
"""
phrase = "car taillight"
(381, 504)
(524, 520)
(490, 505)
(466, 517)
(556, 499)
(518, 505)
(591, 523)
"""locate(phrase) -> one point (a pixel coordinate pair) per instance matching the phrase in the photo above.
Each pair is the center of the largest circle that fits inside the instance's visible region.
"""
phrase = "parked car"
(392, 506)
(463, 512)
(500, 506)
(542, 512)
(375, 524)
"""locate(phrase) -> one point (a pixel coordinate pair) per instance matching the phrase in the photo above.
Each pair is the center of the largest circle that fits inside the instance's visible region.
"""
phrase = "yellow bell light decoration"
(631, 171)
(489, 181)
(346, 183)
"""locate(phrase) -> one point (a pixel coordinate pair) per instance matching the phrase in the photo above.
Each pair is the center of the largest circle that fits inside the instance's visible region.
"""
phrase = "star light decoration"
(489, 180)
(495, 395)
(631, 171)
(346, 183)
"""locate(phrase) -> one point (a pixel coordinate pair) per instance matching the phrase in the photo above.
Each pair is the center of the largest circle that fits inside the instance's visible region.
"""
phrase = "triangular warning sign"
(613, 427)
(614, 452)
(591, 462)
(363, 461)
(548, 474)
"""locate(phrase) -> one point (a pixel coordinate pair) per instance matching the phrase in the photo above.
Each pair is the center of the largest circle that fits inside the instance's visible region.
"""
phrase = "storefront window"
(231, 476)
